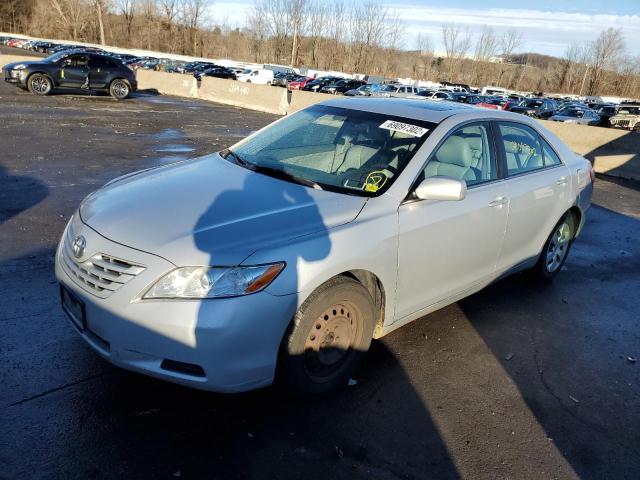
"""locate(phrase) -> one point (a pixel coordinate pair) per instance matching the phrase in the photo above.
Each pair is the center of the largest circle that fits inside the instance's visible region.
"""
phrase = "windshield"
(57, 56)
(338, 149)
(629, 111)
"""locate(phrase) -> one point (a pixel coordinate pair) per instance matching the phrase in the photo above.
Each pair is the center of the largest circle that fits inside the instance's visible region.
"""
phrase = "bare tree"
(318, 27)
(456, 41)
(510, 42)
(368, 29)
(606, 51)
(127, 8)
(100, 8)
(486, 46)
(426, 53)
(337, 17)
(71, 15)
(191, 15)
(297, 17)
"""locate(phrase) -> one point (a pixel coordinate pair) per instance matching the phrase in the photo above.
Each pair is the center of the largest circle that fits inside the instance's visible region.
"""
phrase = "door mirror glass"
(441, 188)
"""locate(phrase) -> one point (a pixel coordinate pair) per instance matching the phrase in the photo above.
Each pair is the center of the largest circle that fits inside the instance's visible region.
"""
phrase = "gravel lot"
(518, 381)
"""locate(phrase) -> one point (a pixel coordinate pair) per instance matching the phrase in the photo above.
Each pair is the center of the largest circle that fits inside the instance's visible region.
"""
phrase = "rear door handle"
(498, 202)
(562, 181)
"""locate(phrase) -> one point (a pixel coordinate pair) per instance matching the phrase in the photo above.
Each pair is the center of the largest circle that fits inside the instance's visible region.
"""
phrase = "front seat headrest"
(455, 151)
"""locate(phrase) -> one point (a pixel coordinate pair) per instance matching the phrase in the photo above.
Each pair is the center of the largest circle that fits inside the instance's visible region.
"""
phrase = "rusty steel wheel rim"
(329, 344)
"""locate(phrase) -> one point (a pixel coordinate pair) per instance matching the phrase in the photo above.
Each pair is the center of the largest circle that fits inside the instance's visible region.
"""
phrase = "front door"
(448, 247)
(74, 71)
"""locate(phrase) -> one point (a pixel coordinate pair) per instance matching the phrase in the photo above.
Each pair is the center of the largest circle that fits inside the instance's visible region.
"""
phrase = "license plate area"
(74, 308)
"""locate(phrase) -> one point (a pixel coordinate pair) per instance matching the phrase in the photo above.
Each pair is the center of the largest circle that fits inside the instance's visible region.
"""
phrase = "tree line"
(332, 35)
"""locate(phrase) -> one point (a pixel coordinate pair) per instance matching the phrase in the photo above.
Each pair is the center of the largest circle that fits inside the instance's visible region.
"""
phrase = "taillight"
(592, 173)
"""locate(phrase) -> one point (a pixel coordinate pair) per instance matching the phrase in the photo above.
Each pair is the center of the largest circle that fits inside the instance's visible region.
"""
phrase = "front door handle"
(499, 201)
(562, 181)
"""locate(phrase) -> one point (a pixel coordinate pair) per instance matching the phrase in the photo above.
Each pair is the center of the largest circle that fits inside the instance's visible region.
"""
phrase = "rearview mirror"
(441, 188)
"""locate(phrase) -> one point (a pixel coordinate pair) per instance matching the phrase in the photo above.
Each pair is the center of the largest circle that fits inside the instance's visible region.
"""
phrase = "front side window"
(521, 147)
(467, 154)
(349, 151)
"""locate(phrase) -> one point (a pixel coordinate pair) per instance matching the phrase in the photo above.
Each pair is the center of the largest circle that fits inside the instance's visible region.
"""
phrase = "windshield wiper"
(284, 175)
(228, 152)
(271, 171)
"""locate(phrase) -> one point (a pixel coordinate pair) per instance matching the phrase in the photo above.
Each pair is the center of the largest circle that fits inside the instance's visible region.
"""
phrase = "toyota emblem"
(79, 244)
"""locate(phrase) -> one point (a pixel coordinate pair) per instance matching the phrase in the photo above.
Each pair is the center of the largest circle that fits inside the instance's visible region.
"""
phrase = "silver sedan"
(283, 256)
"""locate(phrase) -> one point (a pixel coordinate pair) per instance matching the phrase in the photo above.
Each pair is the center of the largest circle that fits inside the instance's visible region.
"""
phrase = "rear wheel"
(556, 248)
(119, 89)
(330, 335)
(39, 84)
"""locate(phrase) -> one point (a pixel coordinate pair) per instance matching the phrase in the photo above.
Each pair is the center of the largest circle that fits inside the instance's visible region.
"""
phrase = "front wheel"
(39, 84)
(329, 336)
(556, 248)
(119, 89)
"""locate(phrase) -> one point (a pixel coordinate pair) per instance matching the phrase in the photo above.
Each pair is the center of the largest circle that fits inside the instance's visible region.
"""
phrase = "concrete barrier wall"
(301, 99)
(5, 59)
(263, 98)
(612, 151)
(168, 83)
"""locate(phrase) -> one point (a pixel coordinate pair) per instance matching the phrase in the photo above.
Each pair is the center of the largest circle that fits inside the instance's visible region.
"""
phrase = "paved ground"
(518, 381)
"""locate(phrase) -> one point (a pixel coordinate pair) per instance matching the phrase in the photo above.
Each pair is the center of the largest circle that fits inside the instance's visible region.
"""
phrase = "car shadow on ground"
(81, 92)
(569, 357)
(12, 199)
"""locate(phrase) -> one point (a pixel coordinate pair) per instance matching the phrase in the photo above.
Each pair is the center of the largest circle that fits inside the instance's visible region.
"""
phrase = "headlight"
(20, 66)
(214, 282)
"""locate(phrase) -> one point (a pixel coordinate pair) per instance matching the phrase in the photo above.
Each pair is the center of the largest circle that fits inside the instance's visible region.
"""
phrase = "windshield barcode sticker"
(407, 128)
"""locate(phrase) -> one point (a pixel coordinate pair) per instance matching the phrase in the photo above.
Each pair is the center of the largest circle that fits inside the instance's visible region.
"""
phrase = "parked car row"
(560, 110)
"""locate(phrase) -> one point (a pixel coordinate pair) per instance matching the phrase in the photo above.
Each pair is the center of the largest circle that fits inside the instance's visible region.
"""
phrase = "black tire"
(119, 89)
(556, 248)
(327, 339)
(39, 84)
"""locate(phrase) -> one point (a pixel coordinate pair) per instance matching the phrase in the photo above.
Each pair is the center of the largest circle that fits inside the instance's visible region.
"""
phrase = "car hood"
(209, 211)
(27, 63)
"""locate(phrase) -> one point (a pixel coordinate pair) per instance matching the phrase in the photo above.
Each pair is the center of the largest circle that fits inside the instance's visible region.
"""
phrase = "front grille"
(620, 123)
(101, 274)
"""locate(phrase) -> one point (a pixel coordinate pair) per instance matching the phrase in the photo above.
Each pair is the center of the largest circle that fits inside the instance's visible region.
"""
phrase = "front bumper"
(224, 345)
(15, 77)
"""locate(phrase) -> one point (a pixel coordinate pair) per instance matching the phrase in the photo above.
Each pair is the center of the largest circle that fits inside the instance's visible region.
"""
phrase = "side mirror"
(441, 188)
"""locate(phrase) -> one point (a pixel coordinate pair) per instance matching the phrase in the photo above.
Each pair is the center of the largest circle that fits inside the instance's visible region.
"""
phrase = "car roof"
(425, 110)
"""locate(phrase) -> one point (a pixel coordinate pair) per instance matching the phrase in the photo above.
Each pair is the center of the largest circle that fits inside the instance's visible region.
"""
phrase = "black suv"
(341, 86)
(536, 107)
(73, 69)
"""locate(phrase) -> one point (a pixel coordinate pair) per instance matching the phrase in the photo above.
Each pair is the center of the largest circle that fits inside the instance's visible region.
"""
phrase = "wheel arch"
(375, 287)
(578, 215)
(42, 72)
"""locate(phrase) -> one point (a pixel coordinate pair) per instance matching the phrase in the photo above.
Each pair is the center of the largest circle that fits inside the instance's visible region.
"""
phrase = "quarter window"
(467, 154)
(550, 157)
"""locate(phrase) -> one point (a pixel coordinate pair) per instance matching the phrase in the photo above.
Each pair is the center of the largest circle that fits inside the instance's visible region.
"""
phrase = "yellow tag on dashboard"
(374, 181)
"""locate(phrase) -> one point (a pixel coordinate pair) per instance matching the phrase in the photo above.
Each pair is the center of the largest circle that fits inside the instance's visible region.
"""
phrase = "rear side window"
(100, 62)
(522, 148)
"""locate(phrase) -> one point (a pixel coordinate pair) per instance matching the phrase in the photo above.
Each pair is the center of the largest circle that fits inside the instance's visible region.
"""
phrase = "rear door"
(99, 70)
(539, 190)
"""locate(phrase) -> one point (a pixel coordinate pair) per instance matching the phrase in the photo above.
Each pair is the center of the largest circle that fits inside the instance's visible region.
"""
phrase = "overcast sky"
(547, 26)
